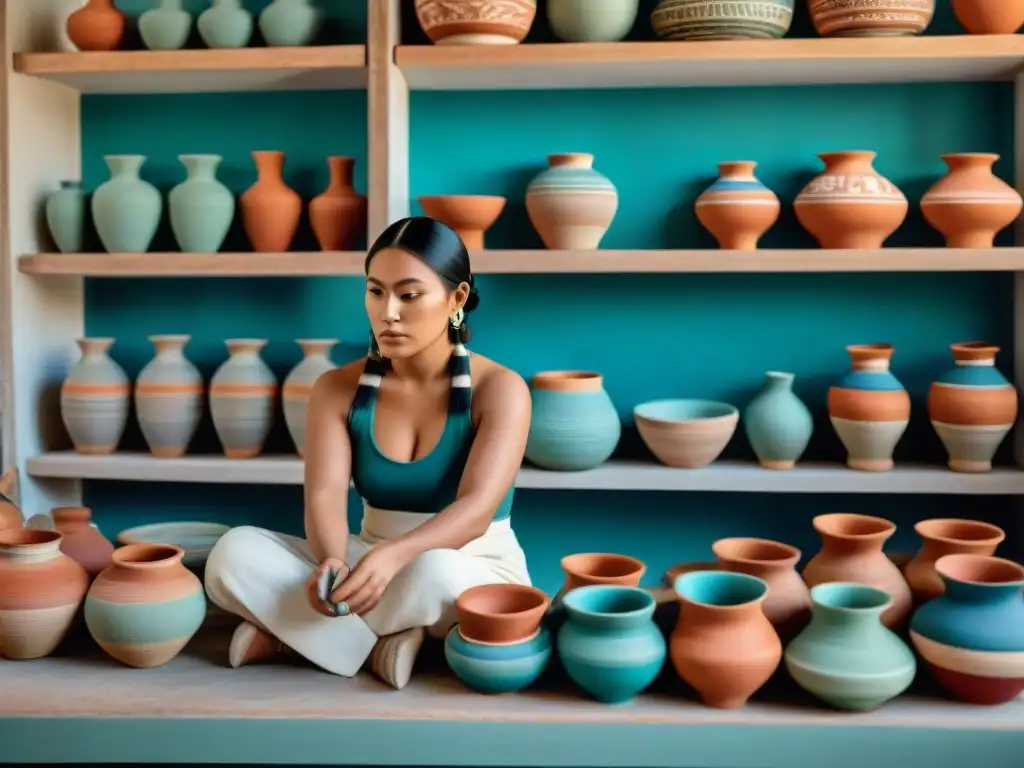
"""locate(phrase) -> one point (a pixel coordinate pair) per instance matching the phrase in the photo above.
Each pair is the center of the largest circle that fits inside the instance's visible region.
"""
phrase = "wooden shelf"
(173, 264)
(728, 476)
(314, 68)
(679, 64)
(197, 710)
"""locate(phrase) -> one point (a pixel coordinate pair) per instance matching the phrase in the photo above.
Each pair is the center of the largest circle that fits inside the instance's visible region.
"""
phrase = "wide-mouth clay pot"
(589, 568)
(686, 433)
(469, 215)
(501, 613)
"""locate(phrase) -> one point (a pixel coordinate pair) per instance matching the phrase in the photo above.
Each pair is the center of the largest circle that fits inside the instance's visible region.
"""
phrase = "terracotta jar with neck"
(270, 208)
(947, 536)
(82, 541)
(97, 26)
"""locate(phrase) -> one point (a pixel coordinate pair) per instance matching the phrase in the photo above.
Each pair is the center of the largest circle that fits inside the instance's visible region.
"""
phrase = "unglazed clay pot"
(777, 423)
(476, 22)
(242, 396)
(338, 214)
(570, 204)
(788, 600)
(989, 17)
(588, 568)
(82, 540)
(972, 636)
(146, 606)
(298, 386)
(851, 550)
(947, 536)
(686, 434)
(499, 614)
(869, 408)
(737, 209)
(866, 18)
(169, 398)
(972, 407)
(469, 215)
(94, 399)
(701, 20)
(723, 645)
(98, 26)
(850, 204)
(970, 204)
(40, 591)
(270, 208)
(574, 425)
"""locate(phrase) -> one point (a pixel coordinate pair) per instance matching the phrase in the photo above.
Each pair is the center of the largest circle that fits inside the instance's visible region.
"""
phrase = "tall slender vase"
(338, 214)
(270, 208)
(298, 386)
(166, 27)
(570, 204)
(777, 423)
(242, 396)
(94, 399)
(574, 425)
(290, 23)
(126, 209)
(947, 536)
(201, 208)
(169, 398)
(225, 24)
(97, 26)
(65, 217)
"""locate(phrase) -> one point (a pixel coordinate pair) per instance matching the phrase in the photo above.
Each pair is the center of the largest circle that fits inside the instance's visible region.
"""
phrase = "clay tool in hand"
(329, 581)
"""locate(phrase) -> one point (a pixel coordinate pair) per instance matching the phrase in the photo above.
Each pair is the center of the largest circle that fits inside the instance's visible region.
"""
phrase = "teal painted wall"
(652, 336)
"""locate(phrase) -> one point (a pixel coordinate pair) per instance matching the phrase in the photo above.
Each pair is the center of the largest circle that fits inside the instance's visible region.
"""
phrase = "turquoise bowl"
(684, 410)
(686, 433)
(503, 668)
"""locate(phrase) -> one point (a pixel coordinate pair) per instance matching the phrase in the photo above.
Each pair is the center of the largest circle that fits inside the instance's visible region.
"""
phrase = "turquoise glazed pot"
(609, 644)
(126, 209)
(225, 24)
(498, 668)
(972, 637)
(574, 425)
(737, 20)
(65, 216)
(592, 21)
(201, 207)
(846, 656)
(290, 23)
(777, 423)
(166, 27)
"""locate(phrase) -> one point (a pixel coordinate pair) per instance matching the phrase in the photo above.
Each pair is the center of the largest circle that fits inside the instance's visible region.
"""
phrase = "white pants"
(261, 576)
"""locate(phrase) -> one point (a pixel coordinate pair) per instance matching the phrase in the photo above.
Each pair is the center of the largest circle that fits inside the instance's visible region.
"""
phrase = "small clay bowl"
(686, 434)
(501, 613)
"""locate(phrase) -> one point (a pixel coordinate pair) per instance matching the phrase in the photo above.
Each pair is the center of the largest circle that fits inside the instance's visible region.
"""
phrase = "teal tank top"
(426, 485)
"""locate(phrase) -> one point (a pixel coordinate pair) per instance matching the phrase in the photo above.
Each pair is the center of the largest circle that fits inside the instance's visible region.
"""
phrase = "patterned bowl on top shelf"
(739, 20)
(476, 22)
(686, 433)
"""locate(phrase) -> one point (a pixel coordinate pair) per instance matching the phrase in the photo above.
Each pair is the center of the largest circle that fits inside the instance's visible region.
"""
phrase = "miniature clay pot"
(501, 613)
(970, 204)
(737, 209)
(270, 208)
(947, 536)
(338, 214)
(97, 26)
(476, 22)
(989, 17)
(82, 541)
(469, 215)
(867, 18)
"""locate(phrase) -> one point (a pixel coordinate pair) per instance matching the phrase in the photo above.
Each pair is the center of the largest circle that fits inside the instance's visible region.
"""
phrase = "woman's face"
(407, 303)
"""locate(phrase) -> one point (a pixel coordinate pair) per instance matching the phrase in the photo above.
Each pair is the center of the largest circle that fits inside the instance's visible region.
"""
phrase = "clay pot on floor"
(338, 214)
(989, 17)
(82, 541)
(98, 26)
(970, 204)
(851, 551)
(270, 208)
(588, 568)
(499, 614)
(737, 209)
(469, 215)
(947, 536)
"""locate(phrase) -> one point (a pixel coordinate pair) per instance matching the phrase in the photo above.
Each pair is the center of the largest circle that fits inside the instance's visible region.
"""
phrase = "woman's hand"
(365, 585)
(334, 565)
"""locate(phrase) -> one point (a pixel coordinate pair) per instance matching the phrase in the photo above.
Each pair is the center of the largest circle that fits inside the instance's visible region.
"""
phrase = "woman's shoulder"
(336, 388)
(495, 385)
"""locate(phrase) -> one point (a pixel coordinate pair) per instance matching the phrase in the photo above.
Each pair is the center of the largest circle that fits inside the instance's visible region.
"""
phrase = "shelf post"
(40, 132)
(1016, 544)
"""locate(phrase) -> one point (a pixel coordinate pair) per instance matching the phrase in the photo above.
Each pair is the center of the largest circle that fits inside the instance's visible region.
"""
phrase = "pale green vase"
(225, 24)
(777, 423)
(65, 216)
(166, 27)
(201, 208)
(126, 209)
(592, 21)
(290, 23)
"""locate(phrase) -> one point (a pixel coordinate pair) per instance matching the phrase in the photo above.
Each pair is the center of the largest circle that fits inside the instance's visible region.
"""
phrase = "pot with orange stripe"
(94, 399)
(298, 386)
(169, 398)
(243, 392)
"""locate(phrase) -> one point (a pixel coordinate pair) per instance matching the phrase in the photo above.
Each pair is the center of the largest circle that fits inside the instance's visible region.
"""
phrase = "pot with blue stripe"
(498, 667)
(737, 209)
(570, 204)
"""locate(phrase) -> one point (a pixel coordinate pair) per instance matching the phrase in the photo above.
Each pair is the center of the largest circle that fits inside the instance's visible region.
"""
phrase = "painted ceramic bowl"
(486, 22)
(501, 668)
(686, 433)
(469, 215)
(501, 613)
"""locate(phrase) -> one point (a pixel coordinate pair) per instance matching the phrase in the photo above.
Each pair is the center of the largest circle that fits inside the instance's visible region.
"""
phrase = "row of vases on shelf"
(498, 22)
(166, 26)
(741, 617)
(169, 393)
(972, 407)
(126, 210)
(848, 205)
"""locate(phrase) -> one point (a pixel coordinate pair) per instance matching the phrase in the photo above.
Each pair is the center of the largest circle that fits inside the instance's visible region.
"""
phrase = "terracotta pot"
(587, 568)
(98, 26)
(476, 22)
(570, 204)
(40, 591)
(989, 17)
(501, 613)
(338, 214)
(10, 516)
(723, 645)
(270, 208)
(850, 204)
(970, 204)
(947, 536)
(82, 541)
(469, 215)
(737, 209)
(869, 18)
(851, 551)
(788, 602)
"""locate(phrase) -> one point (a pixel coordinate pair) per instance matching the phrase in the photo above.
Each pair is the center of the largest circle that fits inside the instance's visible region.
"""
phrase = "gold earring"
(457, 317)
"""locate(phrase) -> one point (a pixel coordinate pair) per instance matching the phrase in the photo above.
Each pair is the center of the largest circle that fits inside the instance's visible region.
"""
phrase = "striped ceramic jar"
(570, 204)
(869, 408)
(40, 591)
(95, 399)
(972, 407)
(146, 606)
(169, 398)
(298, 386)
(737, 209)
(242, 396)
(870, 18)
(722, 19)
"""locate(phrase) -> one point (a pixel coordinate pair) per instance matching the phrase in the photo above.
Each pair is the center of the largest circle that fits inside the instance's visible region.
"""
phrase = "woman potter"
(432, 438)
